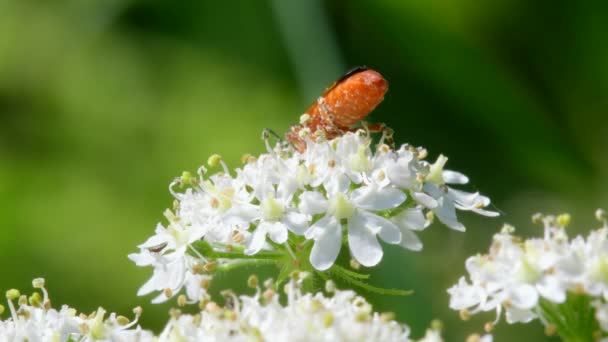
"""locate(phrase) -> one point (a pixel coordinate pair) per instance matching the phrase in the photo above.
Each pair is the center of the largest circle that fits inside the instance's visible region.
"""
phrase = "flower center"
(359, 161)
(272, 210)
(436, 172)
(599, 269)
(528, 273)
(341, 207)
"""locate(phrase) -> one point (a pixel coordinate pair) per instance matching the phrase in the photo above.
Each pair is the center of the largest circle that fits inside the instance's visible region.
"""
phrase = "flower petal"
(454, 177)
(257, 239)
(550, 288)
(296, 222)
(362, 242)
(373, 198)
(387, 230)
(446, 213)
(424, 200)
(277, 231)
(412, 219)
(410, 241)
(523, 296)
(312, 202)
(328, 240)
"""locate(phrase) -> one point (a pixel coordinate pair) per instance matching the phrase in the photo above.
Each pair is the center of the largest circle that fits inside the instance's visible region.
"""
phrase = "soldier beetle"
(346, 102)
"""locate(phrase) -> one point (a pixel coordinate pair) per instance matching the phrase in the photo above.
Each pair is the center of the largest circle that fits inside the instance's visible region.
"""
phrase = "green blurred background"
(103, 102)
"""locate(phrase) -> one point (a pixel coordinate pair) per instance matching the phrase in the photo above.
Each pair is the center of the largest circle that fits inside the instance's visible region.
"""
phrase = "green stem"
(244, 263)
(237, 252)
(574, 319)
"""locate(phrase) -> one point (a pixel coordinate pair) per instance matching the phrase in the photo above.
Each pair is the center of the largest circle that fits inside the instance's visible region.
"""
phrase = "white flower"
(408, 221)
(273, 215)
(516, 275)
(305, 317)
(444, 200)
(355, 209)
(37, 321)
(166, 252)
(266, 206)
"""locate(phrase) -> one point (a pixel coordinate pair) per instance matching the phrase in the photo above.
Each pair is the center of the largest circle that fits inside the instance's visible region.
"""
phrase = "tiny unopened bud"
(507, 229)
(210, 266)
(202, 303)
(268, 294)
(38, 283)
(252, 281)
(137, 310)
(186, 177)
(464, 314)
(563, 220)
(420, 177)
(330, 286)
(488, 327)
(175, 313)
(214, 160)
(182, 300)
(384, 148)
(12, 294)
(387, 317)
(238, 237)
(473, 338)
(197, 268)
(422, 153)
(212, 308)
(362, 316)
(437, 325)
(354, 264)
(168, 292)
(600, 215)
(537, 218)
(205, 283)
(35, 299)
(247, 159)
(295, 275)
(22, 300)
(579, 289)
(122, 320)
(430, 216)
(550, 329)
(269, 283)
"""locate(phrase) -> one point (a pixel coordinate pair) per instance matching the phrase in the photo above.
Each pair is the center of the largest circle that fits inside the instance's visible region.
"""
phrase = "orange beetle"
(346, 102)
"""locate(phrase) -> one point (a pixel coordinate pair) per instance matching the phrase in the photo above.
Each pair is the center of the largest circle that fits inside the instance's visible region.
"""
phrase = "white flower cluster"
(530, 278)
(286, 200)
(344, 316)
(34, 320)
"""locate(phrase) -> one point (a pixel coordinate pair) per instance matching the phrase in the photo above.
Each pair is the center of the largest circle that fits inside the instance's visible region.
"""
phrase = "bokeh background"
(103, 102)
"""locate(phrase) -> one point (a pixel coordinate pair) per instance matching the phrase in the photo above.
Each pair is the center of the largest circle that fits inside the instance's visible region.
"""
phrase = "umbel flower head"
(562, 282)
(336, 316)
(298, 208)
(34, 320)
